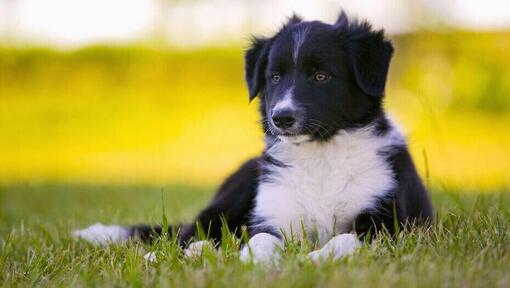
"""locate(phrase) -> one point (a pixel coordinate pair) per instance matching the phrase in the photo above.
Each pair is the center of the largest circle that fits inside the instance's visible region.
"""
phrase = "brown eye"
(320, 77)
(276, 78)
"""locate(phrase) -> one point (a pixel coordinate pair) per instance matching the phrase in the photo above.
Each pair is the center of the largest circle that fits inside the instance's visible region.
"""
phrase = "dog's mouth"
(303, 134)
(294, 135)
(289, 134)
(294, 138)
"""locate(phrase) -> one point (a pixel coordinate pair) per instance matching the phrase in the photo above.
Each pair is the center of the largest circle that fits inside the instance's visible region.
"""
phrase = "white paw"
(99, 234)
(150, 257)
(196, 248)
(261, 248)
(336, 248)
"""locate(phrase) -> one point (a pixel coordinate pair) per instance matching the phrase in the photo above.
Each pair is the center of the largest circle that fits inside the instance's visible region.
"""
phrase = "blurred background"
(149, 91)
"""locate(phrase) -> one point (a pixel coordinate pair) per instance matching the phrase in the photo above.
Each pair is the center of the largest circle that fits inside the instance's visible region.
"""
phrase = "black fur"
(231, 205)
(356, 59)
(255, 61)
(406, 205)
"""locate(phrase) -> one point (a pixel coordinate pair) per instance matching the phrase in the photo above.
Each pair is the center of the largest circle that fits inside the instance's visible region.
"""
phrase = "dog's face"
(315, 79)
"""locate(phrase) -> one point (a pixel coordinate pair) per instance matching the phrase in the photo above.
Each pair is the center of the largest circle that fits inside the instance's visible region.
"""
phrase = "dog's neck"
(381, 132)
(326, 183)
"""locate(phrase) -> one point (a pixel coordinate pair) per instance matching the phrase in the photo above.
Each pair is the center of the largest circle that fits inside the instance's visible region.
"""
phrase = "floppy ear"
(255, 62)
(370, 56)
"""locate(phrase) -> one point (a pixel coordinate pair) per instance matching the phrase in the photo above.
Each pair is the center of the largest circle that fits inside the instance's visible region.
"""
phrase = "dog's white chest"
(324, 186)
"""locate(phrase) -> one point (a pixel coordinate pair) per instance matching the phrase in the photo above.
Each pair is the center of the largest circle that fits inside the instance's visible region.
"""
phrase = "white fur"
(262, 248)
(99, 234)
(197, 248)
(150, 257)
(325, 185)
(286, 102)
(294, 139)
(299, 38)
(339, 246)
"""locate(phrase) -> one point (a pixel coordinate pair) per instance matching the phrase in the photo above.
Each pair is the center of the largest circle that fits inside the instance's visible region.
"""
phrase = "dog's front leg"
(262, 248)
(337, 247)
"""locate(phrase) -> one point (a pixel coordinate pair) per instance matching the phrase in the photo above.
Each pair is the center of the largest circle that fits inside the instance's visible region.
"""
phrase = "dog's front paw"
(336, 248)
(150, 257)
(197, 248)
(317, 255)
(262, 248)
(99, 234)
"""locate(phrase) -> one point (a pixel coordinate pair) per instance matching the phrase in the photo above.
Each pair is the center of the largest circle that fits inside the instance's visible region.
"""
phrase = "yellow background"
(136, 114)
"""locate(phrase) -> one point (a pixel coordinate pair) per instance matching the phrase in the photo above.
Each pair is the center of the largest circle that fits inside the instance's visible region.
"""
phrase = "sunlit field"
(131, 134)
(103, 115)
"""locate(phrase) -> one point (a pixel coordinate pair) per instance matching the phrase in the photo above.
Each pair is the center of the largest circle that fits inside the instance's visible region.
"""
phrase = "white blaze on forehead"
(299, 38)
(286, 102)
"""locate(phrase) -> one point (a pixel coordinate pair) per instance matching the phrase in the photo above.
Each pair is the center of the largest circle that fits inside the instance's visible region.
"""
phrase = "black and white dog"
(334, 167)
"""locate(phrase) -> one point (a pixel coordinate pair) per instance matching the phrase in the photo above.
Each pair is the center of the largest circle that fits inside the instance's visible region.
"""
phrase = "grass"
(467, 247)
(134, 115)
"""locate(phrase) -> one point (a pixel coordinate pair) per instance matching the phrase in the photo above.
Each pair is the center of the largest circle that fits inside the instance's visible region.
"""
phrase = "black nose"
(284, 119)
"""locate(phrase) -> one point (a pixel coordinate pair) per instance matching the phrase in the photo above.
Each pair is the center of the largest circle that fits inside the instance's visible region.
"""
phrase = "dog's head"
(315, 79)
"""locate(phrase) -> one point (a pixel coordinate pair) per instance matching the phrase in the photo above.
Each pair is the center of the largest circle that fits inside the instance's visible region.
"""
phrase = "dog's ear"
(255, 62)
(256, 58)
(342, 19)
(369, 53)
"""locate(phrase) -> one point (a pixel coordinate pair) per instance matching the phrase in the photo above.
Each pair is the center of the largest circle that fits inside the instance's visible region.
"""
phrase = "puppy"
(334, 169)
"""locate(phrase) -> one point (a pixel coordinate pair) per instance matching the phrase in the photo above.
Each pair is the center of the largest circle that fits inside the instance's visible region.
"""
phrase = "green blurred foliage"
(139, 114)
(463, 70)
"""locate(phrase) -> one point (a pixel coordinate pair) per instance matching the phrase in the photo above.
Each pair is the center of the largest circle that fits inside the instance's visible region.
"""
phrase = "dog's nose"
(284, 119)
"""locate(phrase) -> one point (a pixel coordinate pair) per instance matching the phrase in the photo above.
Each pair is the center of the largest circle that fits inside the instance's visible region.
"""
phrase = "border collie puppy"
(334, 167)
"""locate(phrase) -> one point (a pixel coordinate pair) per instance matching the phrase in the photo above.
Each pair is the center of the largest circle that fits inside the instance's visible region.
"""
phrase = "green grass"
(467, 247)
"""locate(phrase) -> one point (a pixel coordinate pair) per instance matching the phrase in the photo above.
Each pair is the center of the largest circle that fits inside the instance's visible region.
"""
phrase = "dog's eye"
(320, 77)
(276, 78)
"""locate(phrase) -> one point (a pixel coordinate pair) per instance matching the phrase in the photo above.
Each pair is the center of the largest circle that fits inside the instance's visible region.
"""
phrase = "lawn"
(114, 117)
(468, 246)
